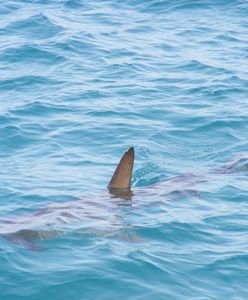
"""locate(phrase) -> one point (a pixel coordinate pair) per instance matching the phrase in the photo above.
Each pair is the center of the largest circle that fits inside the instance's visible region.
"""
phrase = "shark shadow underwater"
(98, 215)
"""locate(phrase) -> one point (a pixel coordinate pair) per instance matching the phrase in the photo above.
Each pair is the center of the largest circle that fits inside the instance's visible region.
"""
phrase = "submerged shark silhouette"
(57, 219)
(24, 230)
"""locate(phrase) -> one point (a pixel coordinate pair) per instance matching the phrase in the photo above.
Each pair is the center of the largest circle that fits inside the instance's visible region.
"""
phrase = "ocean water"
(81, 82)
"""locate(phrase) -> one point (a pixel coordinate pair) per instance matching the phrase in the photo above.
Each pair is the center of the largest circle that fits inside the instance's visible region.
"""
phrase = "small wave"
(13, 138)
(238, 165)
(26, 54)
(33, 27)
(149, 174)
(196, 65)
(77, 4)
(181, 5)
(25, 82)
(38, 108)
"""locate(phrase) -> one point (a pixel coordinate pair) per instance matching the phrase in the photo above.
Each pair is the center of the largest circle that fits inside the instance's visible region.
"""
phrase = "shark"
(58, 219)
(90, 215)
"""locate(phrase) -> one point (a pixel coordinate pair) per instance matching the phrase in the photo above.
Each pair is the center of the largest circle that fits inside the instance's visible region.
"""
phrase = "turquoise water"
(81, 82)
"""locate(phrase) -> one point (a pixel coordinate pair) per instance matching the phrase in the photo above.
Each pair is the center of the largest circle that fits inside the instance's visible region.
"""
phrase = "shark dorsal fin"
(121, 178)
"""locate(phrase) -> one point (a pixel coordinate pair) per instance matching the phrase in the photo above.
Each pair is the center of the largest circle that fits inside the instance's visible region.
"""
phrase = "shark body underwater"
(58, 219)
(85, 214)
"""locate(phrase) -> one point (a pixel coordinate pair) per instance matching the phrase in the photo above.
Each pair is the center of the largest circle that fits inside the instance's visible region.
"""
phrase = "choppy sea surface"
(81, 82)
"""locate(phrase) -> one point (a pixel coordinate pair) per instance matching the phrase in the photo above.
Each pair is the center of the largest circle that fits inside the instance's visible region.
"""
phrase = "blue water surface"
(81, 82)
